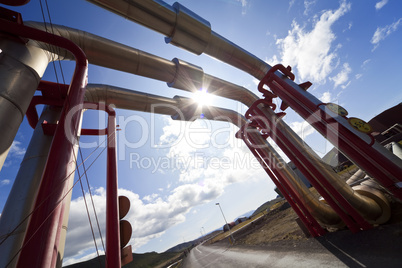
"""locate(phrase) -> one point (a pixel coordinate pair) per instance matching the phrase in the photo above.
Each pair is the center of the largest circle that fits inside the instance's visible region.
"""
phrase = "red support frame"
(325, 188)
(348, 140)
(113, 253)
(40, 244)
(280, 181)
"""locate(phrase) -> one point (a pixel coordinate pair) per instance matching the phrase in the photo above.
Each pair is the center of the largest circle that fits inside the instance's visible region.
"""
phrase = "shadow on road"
(379, 247)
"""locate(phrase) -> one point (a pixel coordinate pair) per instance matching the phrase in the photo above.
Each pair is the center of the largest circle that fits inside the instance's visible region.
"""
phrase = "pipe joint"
(190, 32)
(188, 77)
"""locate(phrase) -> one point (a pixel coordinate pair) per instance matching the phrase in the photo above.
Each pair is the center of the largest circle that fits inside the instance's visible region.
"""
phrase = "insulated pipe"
(188, 69)
(139, 101)
(127, 99)
(185, 29)
(222, 87)
(176, 73)
(39, 232)
(19, 204)
(27, 62)
(98, 49)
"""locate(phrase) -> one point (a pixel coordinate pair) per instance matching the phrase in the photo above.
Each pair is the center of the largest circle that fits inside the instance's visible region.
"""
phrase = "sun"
(201, 97)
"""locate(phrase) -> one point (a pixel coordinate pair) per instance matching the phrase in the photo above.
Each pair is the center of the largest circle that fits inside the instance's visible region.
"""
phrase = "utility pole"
(230, 233)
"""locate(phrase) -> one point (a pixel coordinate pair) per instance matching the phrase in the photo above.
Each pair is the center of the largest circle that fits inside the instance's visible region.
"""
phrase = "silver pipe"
(139, 101)
(24, 190)
(28, 63)
(185, 76)
(187, 30)
(357, 176)
(122, 98)
(181, 26)
(176, 73)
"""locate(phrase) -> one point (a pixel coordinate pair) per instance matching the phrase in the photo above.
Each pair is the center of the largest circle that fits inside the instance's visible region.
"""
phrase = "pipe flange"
(188, 77)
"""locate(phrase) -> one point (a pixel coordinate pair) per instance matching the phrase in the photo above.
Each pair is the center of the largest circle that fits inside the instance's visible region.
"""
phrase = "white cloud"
(243, 2)
(342, 77)
(364, 64)
(152, 215)
(4, 182)
(349, 27)
(326, 97)
(16, 149)
(358, 76)
(244, 5)
(307, 6)
(150, 198)
(272, 61)
(310, 51)
(291, 3)
(302, 129)
(380, 4)
(383, 32)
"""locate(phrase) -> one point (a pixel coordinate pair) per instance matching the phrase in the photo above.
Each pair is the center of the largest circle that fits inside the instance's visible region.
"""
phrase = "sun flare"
(202, 97)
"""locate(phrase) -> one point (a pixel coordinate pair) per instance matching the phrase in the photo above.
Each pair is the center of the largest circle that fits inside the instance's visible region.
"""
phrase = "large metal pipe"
(185, 29)
(108, 54)
(19, 204)
(122, 98)
(186, 76)
(176, 73)
(57, 166)
(139, 101)
(28, 63)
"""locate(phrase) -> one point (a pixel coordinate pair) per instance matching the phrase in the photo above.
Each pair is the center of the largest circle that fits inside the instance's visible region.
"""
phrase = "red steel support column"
(113, 253)
(39, 243)
(112, 200)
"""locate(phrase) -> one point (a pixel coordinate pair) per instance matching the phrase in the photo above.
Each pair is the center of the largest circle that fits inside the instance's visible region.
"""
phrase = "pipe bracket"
(190, 32)
(188, 77)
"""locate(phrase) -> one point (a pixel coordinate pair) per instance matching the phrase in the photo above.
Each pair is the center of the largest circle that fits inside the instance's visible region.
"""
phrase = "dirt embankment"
(279, 227)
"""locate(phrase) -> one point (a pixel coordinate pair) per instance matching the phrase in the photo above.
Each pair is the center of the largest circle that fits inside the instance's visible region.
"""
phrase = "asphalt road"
(379, 247)
(233, 257)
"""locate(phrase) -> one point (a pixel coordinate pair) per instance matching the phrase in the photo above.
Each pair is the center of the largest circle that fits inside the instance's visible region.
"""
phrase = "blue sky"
(175, 172)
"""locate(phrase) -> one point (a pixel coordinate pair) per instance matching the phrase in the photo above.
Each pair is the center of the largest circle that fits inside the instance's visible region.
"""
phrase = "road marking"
(359, 263)
(198, 250)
